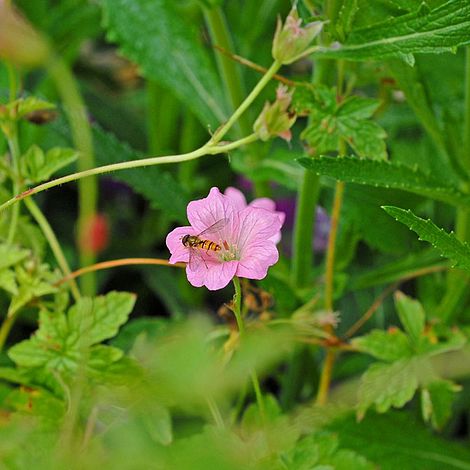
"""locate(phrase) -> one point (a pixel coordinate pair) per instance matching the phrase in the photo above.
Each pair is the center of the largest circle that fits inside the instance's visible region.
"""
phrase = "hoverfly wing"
(195, 259)
(214, 228)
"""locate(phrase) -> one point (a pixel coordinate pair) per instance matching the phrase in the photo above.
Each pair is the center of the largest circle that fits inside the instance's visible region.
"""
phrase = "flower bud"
(96, 234)
(19, 42)
(291, 40)
(275, 118)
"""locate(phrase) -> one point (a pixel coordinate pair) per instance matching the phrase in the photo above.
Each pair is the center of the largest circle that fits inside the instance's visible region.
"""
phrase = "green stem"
(210, 148)
(220, 133)
(331, 248)
(302, 249)
(83, 141)
(53, 243)
(228, 69)
(241, 329)
(207, 149)
(233, 84)
(6, 328)
(15, 156)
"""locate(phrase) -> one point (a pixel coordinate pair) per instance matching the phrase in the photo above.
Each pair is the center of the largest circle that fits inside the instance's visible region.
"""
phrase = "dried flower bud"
(291, 40)
(275, 118)
(19, 42)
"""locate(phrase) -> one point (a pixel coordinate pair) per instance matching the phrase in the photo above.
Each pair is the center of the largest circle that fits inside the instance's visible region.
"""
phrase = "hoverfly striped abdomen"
(193, 241)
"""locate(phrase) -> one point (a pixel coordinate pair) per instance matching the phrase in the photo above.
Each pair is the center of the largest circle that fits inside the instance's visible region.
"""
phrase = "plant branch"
(116, 263)
(207, 149)
(54, 245)
(220, 133)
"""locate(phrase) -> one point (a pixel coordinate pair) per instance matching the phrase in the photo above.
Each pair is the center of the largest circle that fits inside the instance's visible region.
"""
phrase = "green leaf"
(158, 186)
(386, 346)
(157, 421)
(331, 122)
(157, 36)
(11, 255)
(384, 174)
(445, 243)
(346, 16)
(19, 108)
(320, 451)
(38, 166)
(92, 320)
(392, 385)
(424, 31)
(411, 315)
(62, 342)
(436, 401)
(8, 281)
(399, 440)
(32, 284)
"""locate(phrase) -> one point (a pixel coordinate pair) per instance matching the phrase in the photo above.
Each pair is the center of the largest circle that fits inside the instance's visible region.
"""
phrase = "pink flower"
(262, 202)
(243, 239)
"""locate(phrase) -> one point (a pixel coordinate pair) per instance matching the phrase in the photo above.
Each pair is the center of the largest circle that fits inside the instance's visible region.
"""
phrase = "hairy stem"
(116, 263)
(220, 133)
(207, 149)
(83, 141)
(331, 247)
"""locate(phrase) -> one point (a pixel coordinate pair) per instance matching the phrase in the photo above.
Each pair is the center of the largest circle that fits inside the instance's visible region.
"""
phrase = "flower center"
(229, 252)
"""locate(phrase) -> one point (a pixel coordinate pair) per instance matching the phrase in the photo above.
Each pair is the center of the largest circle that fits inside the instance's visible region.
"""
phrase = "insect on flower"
(226, 238)
(196, 244)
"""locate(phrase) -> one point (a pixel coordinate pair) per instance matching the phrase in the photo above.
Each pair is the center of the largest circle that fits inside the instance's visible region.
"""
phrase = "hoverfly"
(197, 244)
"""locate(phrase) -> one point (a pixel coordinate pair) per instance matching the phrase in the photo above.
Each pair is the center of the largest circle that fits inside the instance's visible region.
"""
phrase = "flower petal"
(256, 226)
(258, 229)
(205, 212)
(213, 274)
(270, 205)
(179, 253)
(237, 197)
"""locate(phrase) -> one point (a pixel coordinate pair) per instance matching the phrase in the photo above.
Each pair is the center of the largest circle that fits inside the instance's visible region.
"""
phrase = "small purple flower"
(243, 243)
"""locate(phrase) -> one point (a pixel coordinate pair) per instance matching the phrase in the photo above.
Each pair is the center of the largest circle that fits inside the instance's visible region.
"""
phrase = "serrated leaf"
(92, 320)
(436, 401)
(392, 385)
(445, 243)
(387, 346)
(411, 315)
(384, 174)
(158, 186)
(8, 281)
(155, 35)
(62, 342)
(331, 121)
(38, 166)
(424, 31)
(32, 284)
(320, 451)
